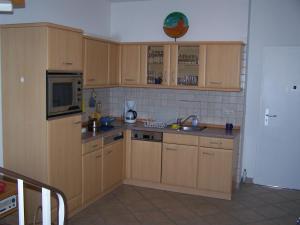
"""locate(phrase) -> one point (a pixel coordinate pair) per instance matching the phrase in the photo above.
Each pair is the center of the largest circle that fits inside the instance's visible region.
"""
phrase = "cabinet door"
(112, 165)
(146, 161)
(215, 170)
(91, 175)
(114, 64)
(223, 66)
(157, 64)
(179, 165)
(64, 149)
(64, 49)
(187, 65)
(131, 60)
(95, 62)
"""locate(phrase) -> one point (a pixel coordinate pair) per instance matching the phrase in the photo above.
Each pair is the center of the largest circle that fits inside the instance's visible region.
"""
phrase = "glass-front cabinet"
(187, 65)
(158, 64)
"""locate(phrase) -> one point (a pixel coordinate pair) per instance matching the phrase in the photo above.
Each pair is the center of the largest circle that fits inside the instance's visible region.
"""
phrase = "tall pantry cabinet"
(27, 51)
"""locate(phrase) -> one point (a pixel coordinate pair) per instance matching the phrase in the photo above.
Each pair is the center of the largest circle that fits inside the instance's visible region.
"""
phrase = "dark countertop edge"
(208, 132)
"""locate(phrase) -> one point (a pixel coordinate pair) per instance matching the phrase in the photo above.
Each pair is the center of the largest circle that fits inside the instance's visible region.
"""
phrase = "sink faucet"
(181, 121)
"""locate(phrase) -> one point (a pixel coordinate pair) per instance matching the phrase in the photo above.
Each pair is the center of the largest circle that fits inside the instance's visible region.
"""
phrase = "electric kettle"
(130, 116)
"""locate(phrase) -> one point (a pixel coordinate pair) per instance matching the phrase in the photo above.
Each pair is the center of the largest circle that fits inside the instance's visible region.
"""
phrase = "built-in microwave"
(64, 93)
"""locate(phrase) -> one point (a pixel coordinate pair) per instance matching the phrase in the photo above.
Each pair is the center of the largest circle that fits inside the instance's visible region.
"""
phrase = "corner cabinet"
(64, 49)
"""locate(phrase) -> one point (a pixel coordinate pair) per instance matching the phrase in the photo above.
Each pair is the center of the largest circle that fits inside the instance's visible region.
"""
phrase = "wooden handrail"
(36, 184)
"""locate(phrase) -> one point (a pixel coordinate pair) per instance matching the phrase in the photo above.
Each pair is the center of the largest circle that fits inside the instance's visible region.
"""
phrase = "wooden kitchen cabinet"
(179, 165)
(64, 49)
(114, 64)
(112, 165)
(91, 176)
(187, 65)
(155, 64)
(223, 66)
(215, 170)
(131, 64)
(95, 62)
(146, 161)
(65, 169)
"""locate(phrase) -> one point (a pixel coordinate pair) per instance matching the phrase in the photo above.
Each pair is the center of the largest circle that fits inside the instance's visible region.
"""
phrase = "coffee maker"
(130, 113)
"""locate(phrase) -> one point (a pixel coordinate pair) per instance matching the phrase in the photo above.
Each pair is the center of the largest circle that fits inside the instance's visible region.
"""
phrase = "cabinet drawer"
(91, 146)
(180, 139)
(211, 142)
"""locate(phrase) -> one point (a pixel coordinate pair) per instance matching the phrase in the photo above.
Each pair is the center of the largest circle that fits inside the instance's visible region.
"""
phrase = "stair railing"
(46, 198)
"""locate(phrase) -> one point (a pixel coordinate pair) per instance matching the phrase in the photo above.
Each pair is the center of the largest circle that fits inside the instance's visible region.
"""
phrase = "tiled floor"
(251, 205)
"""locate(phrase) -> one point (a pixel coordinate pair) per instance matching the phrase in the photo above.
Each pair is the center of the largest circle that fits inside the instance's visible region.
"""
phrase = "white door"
(278, 158)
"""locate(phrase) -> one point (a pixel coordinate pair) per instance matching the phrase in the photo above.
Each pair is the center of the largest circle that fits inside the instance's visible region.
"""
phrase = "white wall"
(272, 23)
(209, 19)
(92, 16)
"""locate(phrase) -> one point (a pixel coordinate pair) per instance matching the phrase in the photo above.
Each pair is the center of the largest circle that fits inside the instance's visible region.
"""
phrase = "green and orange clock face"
(176, 25)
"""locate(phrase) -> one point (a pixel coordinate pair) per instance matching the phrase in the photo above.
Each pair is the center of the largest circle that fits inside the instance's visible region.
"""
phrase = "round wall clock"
(176, 25)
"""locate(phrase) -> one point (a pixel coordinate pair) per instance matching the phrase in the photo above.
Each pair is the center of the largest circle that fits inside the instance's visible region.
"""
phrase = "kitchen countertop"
(120, 126)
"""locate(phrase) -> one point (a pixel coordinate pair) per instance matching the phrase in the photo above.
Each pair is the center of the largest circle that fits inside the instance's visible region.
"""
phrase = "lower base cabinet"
(112, 165)
(146, 161)
(179, 165)
(215, 170)
(92, 175)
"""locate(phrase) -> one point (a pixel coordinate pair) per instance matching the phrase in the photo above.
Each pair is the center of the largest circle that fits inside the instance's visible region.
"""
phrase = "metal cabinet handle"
(215, 82)
(68, 63)
(77, 122)
(171, 149)
(108, 152)
(208, 153)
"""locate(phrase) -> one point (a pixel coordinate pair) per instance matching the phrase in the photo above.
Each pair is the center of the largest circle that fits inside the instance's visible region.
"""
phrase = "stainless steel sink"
(192, 129)
(188, 128)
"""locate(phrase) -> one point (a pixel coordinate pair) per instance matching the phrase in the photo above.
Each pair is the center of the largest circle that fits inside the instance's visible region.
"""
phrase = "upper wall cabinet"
(131, 64)
(194, 65)
(155, 64)
(64, 49)
(114, 64)
(187, 65)
(95, 62)
(223, 66)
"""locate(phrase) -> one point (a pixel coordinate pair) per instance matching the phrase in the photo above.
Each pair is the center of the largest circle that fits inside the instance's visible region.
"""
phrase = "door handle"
(271, 116)
(268, 115)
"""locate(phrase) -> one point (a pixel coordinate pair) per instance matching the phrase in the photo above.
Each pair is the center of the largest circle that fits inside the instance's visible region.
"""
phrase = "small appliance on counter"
(130, 114)
(103, 124)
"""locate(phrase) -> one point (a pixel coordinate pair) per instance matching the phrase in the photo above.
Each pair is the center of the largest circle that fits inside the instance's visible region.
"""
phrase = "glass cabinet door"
(188, 70)
(157, 65)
